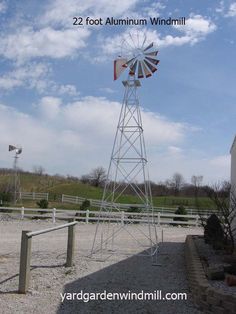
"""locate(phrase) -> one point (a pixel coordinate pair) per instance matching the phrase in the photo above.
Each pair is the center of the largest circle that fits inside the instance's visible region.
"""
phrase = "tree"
(96, 177)
(197, 181)
(224, 199)
(38, 170)
(177, 182)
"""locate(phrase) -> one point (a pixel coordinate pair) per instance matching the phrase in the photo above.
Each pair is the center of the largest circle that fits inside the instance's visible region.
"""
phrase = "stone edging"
(208, 298)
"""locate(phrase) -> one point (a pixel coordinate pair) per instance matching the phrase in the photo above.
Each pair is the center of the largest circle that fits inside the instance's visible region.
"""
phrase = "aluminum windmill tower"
(16, 181)
(128, 172)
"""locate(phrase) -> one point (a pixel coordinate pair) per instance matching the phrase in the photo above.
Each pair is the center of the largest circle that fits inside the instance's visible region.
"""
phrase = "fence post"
(122, 217)
(87, 216)
(22, 212)
(25, 255)
(33, 195)
(62, 198)
(158, 218)
(47, 196)
(54, 215)
(196, 224)
(70, 246)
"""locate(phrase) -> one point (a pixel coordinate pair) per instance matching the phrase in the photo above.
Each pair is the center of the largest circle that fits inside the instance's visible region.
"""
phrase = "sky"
(58, 99)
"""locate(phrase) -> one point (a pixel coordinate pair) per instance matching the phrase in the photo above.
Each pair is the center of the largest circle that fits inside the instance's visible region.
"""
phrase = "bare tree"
(177, 182)
(224, 198)
(38, 170)
(97, 176)
(85, 178)
(196, 181)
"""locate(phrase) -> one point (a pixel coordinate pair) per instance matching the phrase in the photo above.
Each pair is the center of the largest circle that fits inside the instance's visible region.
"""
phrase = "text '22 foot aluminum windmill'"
(117, 230)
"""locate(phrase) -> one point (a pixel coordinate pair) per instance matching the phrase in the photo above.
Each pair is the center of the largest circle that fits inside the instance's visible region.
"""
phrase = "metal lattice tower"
(128, 171)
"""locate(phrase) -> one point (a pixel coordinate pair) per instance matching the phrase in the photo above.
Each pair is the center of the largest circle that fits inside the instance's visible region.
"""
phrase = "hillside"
(58, 185)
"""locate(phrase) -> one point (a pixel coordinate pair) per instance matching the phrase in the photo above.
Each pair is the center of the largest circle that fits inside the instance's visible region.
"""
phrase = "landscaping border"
(206, 297)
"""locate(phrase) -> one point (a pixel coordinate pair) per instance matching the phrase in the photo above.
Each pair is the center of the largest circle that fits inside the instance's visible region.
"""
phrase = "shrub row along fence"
(71, 199)
(92, 216)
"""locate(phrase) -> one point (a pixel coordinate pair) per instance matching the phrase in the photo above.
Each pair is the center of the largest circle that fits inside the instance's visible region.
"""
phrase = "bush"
(180, 211)
(5, 197)
(213, 232)
(85, 205)
(42, 204)
(134, 209)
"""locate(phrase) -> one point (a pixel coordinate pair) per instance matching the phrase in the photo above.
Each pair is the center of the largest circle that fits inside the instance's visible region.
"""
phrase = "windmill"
(128, 172)
(16, 182)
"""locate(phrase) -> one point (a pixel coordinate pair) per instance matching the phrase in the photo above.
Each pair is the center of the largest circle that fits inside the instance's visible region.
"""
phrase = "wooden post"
(87, 216)
(54, 215)
(122, 217)
(22, 212)
(25, 255)
(70, 246)
(196, 223)
(158, 218)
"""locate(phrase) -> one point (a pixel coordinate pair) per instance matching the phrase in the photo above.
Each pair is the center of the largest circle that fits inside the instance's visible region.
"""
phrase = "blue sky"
(59, 101)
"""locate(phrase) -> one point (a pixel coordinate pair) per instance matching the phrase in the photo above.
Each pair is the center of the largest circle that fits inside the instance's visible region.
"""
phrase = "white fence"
(97, 203)
(33, 196)
(92, 216)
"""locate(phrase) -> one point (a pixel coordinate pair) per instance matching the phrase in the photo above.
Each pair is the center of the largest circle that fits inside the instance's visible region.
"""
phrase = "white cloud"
(27, 43)
(49, 107)
(3, 6)
(195, 30)
(82, 130)
(197, 27)
(76, 137)
(67, 89)
(33, 75)
(174, 150)
(60, 12)
(232, 10)
(220, 8)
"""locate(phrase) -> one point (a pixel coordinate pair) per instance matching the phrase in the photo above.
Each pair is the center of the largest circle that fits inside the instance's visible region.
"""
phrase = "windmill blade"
(140, 70)
(154, 61)
(133, 68)
(129, 62)
(148, 47)
(11, 147)
(144, 40)
(151, 67)
(153, 53)
(119, 67)
(147, 71)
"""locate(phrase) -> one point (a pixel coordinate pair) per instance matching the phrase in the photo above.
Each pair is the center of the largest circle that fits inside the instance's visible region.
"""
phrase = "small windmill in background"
(16, 182)
(128, 163)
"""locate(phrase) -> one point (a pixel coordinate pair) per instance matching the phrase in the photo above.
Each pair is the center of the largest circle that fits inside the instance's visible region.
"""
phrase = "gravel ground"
(120, 273)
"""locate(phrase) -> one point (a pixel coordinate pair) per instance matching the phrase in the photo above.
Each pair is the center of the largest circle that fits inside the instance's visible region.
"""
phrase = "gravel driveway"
(50, 279)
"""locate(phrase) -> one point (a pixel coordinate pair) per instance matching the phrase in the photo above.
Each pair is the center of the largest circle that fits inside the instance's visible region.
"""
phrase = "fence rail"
(71, 199)
(98, 203)
(93, 216)
(25, 255)
(33, 195)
